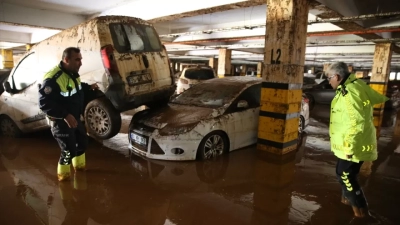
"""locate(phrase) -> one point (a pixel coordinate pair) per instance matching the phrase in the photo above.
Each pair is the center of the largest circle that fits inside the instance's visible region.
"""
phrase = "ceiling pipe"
(391, 15)
(310, 34)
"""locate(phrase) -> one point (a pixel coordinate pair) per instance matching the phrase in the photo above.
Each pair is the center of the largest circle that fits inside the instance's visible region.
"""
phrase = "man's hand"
(94, 86)
(71, 121)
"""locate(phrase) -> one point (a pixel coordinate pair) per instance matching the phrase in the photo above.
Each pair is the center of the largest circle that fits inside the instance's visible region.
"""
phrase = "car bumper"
(161, 147)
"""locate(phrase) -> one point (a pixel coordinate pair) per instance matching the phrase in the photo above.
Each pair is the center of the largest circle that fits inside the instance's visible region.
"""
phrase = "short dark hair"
(68, 52)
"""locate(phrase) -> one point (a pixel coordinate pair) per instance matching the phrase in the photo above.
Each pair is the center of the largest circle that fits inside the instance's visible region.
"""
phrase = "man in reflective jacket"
(61, 97)
(352, 132)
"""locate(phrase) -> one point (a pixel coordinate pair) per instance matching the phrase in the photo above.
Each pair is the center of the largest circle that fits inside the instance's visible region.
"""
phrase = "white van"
(122, 54)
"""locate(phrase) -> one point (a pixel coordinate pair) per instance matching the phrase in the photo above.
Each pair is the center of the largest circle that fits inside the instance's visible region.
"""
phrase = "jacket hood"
(175, 119)
(374, 96)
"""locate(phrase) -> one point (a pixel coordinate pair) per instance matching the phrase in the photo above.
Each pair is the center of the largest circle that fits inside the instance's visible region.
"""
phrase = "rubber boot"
(79, 162)
(63, 172)
(361, 212)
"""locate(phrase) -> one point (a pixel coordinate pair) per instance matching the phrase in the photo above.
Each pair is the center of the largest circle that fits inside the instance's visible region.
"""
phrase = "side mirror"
(7, 87)
(242, 104)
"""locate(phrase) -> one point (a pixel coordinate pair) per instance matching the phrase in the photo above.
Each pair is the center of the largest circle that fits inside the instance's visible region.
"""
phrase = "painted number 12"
(273, 60)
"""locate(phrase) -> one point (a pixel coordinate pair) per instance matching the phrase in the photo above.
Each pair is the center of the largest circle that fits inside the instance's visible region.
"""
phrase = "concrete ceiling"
(194, 31)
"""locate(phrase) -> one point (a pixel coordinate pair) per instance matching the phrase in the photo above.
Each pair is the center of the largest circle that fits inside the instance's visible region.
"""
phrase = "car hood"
(174, 119)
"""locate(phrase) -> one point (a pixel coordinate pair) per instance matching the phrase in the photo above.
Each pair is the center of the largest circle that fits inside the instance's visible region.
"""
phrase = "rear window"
(199, 74)
(130, 37)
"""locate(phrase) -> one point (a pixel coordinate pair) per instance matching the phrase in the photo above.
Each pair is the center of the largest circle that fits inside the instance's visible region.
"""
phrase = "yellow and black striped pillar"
(380, 78)
(281, 94)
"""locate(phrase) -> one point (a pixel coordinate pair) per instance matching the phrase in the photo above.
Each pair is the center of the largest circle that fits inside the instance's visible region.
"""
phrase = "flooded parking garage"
(243, 187)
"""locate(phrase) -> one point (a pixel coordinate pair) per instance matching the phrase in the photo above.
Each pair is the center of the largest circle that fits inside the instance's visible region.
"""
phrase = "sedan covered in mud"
(209, 119)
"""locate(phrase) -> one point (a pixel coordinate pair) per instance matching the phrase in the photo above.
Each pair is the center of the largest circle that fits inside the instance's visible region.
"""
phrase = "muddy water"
(243, 187)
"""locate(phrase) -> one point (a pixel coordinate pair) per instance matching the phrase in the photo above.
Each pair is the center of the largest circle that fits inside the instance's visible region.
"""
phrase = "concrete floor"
(243, 187)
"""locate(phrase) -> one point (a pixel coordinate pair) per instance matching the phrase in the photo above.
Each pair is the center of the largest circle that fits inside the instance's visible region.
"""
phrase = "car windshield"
(210, 95)
(131, 37)
(199, 74)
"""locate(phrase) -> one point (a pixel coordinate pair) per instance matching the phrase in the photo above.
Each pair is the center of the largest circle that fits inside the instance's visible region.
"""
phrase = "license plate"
(138, 79)
(138, 139)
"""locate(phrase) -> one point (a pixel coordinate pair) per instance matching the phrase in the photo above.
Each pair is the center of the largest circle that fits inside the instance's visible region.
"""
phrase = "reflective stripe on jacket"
(351, 129)
(61, 94)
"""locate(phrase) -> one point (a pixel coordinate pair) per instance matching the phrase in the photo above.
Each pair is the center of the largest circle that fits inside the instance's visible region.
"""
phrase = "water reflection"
(243, 187)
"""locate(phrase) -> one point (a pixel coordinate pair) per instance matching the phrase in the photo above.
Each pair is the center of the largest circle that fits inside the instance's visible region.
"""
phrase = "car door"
(323, 93)
(24, 97)
(245, 119)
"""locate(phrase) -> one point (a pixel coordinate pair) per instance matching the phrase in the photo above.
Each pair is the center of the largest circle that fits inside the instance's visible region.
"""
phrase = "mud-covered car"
(123, 55)
(211, 118)
(193, 75)
(323, 93)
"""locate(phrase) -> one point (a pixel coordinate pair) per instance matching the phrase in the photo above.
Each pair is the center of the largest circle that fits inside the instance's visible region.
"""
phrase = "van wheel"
(8, 127)
(102, 120)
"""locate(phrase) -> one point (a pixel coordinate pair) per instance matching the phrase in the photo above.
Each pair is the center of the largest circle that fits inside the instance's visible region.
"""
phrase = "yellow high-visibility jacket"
(351, 127)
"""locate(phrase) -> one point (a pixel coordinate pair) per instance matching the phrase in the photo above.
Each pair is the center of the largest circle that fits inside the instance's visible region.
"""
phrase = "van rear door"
(140, 59)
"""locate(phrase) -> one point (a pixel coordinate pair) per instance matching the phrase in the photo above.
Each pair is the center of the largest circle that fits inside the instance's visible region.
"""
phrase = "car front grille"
(141, 148)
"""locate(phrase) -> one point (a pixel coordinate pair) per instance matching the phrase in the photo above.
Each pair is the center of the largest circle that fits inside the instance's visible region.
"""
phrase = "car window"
(24, 74)
(130, 37)
(251, 95)
(210, 95)
(309, 81)
(199, 74)
(324, 85)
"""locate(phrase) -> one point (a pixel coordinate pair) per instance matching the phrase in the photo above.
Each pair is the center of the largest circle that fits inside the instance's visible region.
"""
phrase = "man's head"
(72, 59)
(336, 73)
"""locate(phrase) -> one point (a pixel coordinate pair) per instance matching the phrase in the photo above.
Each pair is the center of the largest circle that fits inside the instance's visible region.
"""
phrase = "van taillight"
(107, 55)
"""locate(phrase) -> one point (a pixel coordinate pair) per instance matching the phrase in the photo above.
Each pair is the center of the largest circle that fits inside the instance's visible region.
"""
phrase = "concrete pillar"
(7, 61)
(28, 47)
(281, 93)
(326, 66)
(380, 78)
(224, 62)
(350, 68)
(272, 191)
(312, 70)
(243, 70)
(213, 62)
(259, 69)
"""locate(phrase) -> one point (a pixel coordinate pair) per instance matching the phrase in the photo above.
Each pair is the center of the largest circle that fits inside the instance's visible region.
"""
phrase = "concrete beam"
(14, 37)
(24, 16)
(221, 8)
(349, 25)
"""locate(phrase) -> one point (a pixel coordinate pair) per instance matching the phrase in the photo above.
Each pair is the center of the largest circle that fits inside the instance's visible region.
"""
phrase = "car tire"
(9, 128)
(102, 120)
(221, 148)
